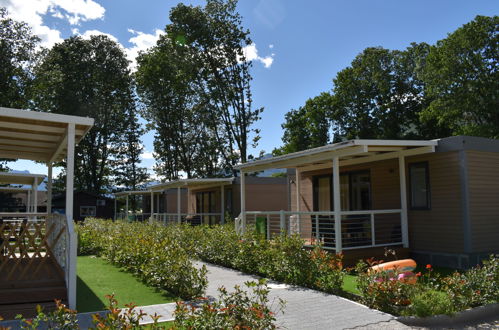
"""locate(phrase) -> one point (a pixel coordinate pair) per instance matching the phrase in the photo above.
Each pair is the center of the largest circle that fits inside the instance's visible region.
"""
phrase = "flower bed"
(432, 294)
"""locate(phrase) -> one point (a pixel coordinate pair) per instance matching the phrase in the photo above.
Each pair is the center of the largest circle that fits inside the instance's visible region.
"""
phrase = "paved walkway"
(306, 308)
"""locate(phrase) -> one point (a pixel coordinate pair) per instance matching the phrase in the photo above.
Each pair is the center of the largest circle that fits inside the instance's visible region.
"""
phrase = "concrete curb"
(469, 316)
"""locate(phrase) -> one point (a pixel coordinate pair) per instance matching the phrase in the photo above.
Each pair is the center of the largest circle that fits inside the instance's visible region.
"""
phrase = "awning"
(349, 153)
(21, 178)
(36, 135)
(192, 183)
(130, 192)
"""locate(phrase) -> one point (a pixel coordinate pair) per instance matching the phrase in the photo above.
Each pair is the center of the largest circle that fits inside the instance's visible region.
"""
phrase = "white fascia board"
(21, 178)
(45, 116)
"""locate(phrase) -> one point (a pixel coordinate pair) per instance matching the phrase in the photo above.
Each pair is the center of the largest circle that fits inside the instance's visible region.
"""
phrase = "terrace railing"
(35, 249)
(192, 218)
(359, 229)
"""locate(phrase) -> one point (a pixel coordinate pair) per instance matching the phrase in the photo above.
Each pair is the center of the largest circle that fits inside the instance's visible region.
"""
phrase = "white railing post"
(222, 206)
(317, 232)
(72, 238)
(373, 232)
(282, 220)
(337, 204)
(179, 196)
(243, 201)
(403, 203)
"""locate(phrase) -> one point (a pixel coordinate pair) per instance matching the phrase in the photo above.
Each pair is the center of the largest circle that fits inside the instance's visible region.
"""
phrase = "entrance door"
(205, 203)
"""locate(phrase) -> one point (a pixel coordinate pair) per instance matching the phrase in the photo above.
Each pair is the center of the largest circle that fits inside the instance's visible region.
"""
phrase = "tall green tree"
(308, 126)
(17, 55)
(462, 79)
(88, 78)
(379, 96)
(204, 120)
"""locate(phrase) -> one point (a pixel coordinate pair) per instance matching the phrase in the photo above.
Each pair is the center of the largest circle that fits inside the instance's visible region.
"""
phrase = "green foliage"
(431, 302)
(422, 92)
(91, 78)
(195, 84)
(17, 56)
(462, 80)
(234, 310)
(382, 290)
(307, 127)
(151, 252)
(432, 294)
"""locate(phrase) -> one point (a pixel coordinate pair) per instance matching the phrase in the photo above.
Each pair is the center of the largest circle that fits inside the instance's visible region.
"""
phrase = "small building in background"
(85, 205)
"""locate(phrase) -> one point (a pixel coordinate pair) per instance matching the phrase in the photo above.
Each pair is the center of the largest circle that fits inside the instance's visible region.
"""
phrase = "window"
(87, 211)
(419, 186)
(205, 203)
(355, 191)
(101, 202)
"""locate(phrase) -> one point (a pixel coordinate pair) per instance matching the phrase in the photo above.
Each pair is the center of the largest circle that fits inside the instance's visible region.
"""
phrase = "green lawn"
(97, 278)
(349, 284)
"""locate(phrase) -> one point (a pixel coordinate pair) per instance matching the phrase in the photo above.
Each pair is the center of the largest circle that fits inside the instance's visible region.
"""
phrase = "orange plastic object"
(404, 269)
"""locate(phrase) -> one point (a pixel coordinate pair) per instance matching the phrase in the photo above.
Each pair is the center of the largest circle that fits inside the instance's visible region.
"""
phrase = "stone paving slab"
(306, 308)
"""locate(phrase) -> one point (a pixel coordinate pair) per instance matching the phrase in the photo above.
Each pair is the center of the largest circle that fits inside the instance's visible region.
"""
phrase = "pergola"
(192, 183)
(47, 138)
(334, 156)
(33, 180)
(126, 194)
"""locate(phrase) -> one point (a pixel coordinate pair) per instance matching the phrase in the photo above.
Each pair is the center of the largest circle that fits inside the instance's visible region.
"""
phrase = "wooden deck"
(21, 295)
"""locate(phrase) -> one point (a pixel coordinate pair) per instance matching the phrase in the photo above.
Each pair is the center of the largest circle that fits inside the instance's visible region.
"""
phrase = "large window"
(355, 191)
(419, 186)
(205, 203)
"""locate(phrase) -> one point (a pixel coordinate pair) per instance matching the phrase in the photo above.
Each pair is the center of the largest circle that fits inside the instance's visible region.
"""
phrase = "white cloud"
(147, 155)
(141, 41)
(251, 54)
(32, 12)
(271, 46)
(89, 33)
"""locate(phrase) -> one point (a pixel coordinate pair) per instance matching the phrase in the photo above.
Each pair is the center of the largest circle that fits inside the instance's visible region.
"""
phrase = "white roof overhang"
(38, 136)
(21, 178)
(349, 153)
(192, 183)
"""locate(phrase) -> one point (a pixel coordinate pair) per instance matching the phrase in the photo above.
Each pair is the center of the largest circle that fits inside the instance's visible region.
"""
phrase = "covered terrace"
(40, 254)
(202, 210)
(336, 209)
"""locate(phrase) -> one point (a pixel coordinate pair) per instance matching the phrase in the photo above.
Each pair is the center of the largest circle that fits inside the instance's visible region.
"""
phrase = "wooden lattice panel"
(25, 248)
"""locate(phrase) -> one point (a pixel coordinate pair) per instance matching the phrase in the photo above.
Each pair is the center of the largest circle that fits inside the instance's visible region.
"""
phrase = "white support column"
(222, 206)
(337, 204)
(243, 202)
(298, 195)
(49, 189)
(158, 203)
(152, 205)
(28, 202)
(179, 211)
(35, 195)
(403, 203)
(73, 243)
(126, 208)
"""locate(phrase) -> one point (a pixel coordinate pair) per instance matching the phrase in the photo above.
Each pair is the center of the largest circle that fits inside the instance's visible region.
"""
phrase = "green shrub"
(431, 302)
(152, 252)
(381, 290)
(234, 310)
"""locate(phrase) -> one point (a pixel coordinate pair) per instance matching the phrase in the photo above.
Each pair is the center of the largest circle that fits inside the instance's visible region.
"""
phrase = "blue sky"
(300, 45)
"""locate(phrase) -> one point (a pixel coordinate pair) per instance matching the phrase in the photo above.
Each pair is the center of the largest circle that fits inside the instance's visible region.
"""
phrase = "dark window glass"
(419, 185)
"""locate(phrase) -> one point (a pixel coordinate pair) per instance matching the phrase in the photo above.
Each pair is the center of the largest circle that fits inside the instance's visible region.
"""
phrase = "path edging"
(467, 316)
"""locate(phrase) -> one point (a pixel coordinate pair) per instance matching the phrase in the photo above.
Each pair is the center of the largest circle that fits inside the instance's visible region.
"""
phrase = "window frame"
(88, 207)
(426, 166)
(349, 174)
